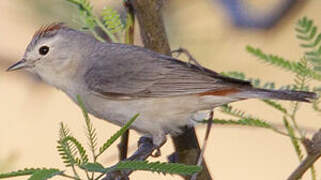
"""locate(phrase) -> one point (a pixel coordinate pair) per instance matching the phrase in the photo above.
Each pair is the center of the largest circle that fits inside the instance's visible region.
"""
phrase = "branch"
(314, 153)
(154, 37)
(129, 39)
(152, 29)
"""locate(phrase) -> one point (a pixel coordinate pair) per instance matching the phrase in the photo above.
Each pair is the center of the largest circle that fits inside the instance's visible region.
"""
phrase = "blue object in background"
(244, 16)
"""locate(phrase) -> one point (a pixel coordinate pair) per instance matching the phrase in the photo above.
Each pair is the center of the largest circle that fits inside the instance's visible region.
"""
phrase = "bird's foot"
(191, 59)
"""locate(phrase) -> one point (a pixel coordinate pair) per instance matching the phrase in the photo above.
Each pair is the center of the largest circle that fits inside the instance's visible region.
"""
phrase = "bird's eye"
(43, 50)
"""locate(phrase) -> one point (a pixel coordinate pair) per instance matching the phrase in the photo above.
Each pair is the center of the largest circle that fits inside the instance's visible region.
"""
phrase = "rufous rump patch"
(223, 92)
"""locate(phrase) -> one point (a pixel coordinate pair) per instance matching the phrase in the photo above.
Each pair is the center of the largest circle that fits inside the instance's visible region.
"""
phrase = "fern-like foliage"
(44, 174)
(230, 110)
(112, 20)
(311, 41)
(24, 172)
(90, 21)
(283, 63)
(159, 167)
(113, 138)
(256, 82)
(293, 138)
(81, 150)
(36, 173)
(66, 151)
(244, 119)
(242, 122)
(91, 131)
(275, 105)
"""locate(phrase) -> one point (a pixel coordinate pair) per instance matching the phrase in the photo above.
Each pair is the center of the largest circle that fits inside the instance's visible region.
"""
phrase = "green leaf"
(91, 131)
(24, 172)
(37, 173)
(275, 105)
(293, 138)
(230, 110)
(81, 150)
(66, 151)
(113, 138)
(165, 168)
(90, 20)
(242, 122)
(112, 20)
(257, 82)
(307, 32)
(283, 63)
(93, 167)
(44, 174)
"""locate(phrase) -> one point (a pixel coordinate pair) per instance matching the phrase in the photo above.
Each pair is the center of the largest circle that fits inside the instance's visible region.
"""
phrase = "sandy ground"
(31, 111)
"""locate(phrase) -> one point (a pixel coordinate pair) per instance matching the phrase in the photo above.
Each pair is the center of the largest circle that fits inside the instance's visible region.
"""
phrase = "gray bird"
(117, 81)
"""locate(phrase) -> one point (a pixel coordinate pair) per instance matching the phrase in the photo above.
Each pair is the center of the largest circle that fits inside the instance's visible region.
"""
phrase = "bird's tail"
(290, 95)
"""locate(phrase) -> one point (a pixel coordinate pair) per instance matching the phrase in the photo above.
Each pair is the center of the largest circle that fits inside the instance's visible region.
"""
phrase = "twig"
(191, 59)
(314, 153)
(129, 39)
(123, 146)
(207, 133)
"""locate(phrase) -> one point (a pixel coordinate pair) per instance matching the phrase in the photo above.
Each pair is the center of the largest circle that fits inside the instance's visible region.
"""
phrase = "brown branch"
(123, 146)
(152, 29)
(314, 153)
(129, 39)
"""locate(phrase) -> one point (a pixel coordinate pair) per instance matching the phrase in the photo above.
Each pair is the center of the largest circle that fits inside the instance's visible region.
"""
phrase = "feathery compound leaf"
(275, 105)
(113, 138)
(91, 131)
(66, 151)
(33, 172)
(44, 174)
(94, 167)
(257, 82)
(294, 140)
(242, 122)
(83, 5)
(165, 168)
(80, 148)
(90, 21)
(284, 64)
(112, 20)
(307, 32)
(230, 110)
(24, 172)
(63, 131)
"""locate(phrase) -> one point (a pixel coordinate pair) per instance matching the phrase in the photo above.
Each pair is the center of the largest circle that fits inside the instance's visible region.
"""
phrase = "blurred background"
(31, 110)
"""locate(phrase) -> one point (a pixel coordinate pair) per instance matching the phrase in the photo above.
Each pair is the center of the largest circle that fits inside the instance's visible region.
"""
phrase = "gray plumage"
(116, 81)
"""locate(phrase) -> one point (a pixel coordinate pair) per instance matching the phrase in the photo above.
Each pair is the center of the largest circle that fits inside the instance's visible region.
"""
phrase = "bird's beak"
(18, 65)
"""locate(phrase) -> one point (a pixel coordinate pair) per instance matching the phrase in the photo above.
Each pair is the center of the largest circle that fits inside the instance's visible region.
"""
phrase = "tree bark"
(152, 30)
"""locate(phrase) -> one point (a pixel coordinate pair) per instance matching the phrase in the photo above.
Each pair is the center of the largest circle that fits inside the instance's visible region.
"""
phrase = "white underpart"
(157, 116)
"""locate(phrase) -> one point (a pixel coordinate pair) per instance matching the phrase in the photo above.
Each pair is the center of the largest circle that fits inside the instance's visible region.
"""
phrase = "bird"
(116, 81)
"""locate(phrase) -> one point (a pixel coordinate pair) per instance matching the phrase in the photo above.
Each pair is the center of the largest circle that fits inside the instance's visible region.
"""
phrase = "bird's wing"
(131, 71)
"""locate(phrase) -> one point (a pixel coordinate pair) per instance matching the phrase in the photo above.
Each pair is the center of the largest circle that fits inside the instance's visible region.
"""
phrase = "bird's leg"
(146, 146)
(207, 133)
(191, 59)
(158, 141)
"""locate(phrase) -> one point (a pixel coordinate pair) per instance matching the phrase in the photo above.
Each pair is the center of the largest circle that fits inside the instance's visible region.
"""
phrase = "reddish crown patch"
(48, 28)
